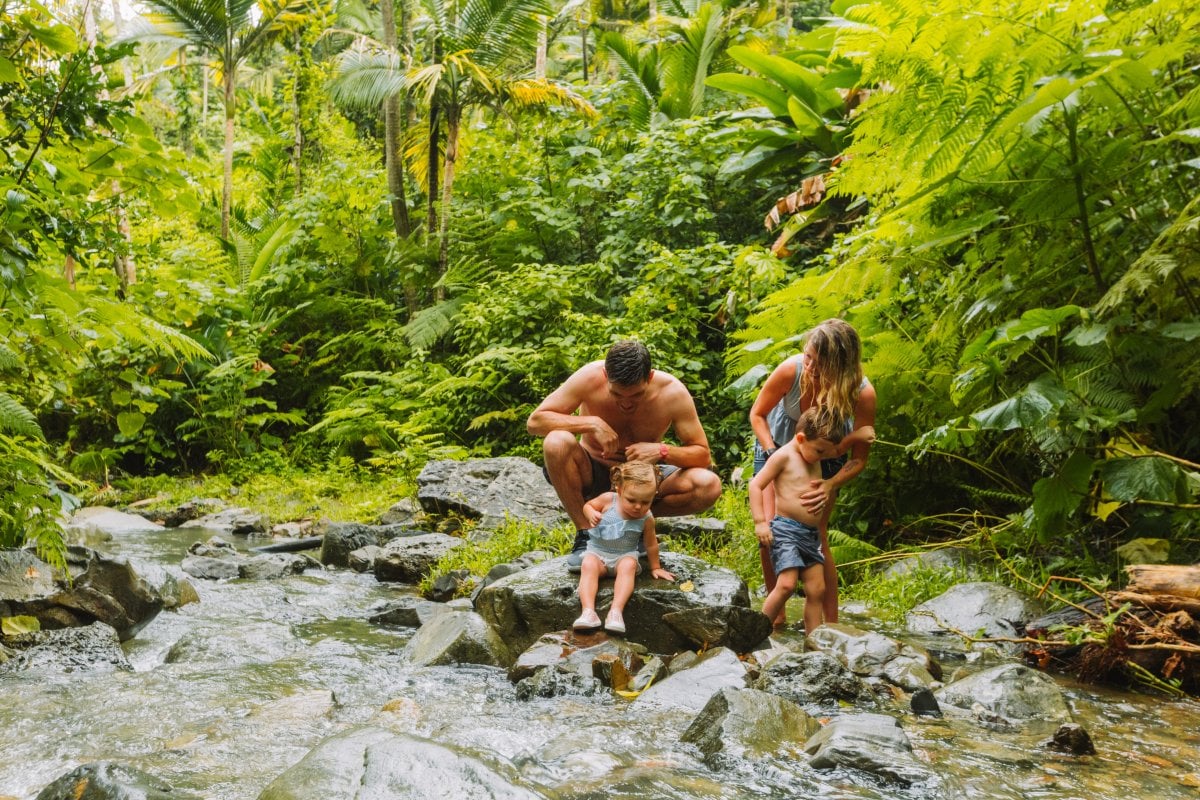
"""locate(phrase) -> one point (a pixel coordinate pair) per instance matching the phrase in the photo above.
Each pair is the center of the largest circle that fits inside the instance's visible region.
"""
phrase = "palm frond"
(366, 79)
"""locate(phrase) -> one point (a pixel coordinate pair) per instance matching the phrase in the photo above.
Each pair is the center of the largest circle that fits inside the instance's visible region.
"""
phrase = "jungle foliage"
(401, 238)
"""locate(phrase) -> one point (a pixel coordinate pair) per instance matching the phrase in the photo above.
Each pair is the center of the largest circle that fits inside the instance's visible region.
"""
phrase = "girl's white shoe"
(614, 622)
(588, 620)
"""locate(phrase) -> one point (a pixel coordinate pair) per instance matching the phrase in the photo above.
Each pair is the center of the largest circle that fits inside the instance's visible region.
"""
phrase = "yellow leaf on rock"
(687, 586)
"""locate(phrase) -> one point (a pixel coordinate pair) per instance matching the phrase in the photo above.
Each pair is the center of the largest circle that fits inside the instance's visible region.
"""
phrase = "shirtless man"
(624, 410)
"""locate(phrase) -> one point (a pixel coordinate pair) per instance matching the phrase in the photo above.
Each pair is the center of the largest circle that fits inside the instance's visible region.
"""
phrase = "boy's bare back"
(792, 478)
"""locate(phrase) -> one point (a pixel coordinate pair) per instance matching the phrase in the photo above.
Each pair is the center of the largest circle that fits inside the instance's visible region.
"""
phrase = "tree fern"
(16, 419)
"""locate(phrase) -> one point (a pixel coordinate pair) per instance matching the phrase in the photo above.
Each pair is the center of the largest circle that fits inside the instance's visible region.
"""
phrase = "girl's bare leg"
(589, 580)
(623, 585)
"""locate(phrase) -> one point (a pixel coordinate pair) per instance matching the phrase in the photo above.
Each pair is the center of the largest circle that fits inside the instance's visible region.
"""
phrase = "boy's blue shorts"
(794, 545)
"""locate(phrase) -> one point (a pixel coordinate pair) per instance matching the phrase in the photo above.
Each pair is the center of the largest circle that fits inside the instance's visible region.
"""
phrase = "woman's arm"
(772, 392)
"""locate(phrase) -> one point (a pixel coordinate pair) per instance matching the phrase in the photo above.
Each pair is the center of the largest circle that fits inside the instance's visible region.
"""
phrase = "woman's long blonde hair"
(839, 374)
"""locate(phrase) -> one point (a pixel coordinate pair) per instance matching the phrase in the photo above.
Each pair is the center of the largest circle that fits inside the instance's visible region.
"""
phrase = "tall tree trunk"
(431, 217)
(392, 124)
(453, 117)
(227, 186)
(583, 29)
(539, 63)
(653, 10)
(204, 100)
(297, 128)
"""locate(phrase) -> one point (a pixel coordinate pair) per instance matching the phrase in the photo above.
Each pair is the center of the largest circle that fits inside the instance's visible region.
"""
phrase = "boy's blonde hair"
(838, 352)
(634, 472)
(818, 422)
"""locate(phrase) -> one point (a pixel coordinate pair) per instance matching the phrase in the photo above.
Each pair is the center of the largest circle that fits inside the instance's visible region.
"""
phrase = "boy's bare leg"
(687, 491)
(775, 604)
(764, 554)
(814, 590)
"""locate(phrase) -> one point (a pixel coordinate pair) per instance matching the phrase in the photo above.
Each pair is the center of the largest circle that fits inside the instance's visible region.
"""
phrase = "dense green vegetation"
(395, 227)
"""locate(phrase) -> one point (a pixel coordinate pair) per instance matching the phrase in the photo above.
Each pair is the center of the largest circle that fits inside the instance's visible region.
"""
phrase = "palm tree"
(230, 31)
(474, 51)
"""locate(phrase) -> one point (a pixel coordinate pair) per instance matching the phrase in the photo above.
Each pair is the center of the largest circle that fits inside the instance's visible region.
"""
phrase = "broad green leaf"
(8, 72)
(1145, 551)
(1088, 334)
(1187, 331)
(1037, 322)
(130, 422)
(770, 95)
(1146, 478)
(1056, 497)
(1028, 408)
(15, 626)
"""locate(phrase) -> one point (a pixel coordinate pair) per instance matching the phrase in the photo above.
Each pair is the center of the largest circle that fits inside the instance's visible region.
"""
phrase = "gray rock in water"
(1073, 739)
(102, 588)
(975, 608)
(411, 558)
(924, 704)
(104, 780)
(343, 538)
(460, 637)
(238, 521)
(273, 566)
(739, 628)
(874, 743)
(576, 651)
(411, 612)
(816, 680)
(375, 763)
(215, 547)
(542, 599)
(363, 559)
(209, 568)
(404, 511)
(192, 509)
(943, 559)
(873, 654)
(1011, 692)
(690, 689)
(490, 490)
(557, 681)
(747, 723)
(108, 521)
(449, 585)
(92, 648)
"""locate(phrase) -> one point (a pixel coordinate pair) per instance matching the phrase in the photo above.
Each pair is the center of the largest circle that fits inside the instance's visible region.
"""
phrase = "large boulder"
(92, 648)
(690, 689)
(747, 723)
(817, 681)
(101, 588)
(490, 490)
(875, 655)
(460, 637)
(975, 608)
(104, 780)
(873, 743)
(543, 598)
(240, 521)
(1008, 693)
(942, 559)
(340, 539)
(410, 559)
(374, 763)
(739, 628)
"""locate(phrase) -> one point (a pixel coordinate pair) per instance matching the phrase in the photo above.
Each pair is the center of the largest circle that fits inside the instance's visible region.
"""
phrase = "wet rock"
(459, 637)
(924, 704)
(1011, 692)
(739, 628)
(236, 521)
(542, 599)
(944, 559)
(91, 648)
(363, 559)
(104, 780)
(873, 654)
(245, 643)
(817, 681)
(653, 671)
(404, 511)
(688, 527)
(411, 612)
(343, 538)
(975, 608)
(557, 681)
(410, 559)
(690, 689)
(576, 652)
(175, 592)
(215, 547)
(292, 530)
(374, 763)
(490, 490)
(1073, 739)
(210, 569)
(873, 743)
(102, 588)
(107, 521)
(273, 566)
(192, 509)
(450, 585)
(747, 723)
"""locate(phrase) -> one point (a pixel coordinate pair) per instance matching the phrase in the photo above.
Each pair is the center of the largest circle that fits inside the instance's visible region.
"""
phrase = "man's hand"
(644, 451)
(763, 531)
(607, 438)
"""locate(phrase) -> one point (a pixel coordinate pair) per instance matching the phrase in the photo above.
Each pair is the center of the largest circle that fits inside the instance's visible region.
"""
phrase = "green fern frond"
(16, 419)
(846, 548)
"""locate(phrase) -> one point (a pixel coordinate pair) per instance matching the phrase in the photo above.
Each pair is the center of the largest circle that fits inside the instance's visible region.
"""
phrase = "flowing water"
(229, 692)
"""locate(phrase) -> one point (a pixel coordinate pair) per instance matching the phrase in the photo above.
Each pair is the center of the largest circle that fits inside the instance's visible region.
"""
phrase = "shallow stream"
(229, 692)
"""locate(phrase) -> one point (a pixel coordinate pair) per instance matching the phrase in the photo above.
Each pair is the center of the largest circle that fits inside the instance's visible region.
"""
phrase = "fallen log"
(290, 545)
(1180, 580)
(1158, 602)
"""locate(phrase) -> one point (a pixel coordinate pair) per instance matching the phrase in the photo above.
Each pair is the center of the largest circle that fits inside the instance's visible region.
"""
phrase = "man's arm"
(692, 450)
(557, 412)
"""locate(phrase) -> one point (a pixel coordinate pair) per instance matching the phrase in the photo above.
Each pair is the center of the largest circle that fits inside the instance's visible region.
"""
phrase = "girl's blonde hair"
(633, 472)
(838, 352)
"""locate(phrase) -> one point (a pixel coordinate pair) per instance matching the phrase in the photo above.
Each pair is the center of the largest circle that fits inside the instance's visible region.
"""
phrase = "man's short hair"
(627, 363)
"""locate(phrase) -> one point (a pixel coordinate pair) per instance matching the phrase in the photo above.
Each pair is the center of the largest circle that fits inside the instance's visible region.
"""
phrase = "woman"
(827, 373)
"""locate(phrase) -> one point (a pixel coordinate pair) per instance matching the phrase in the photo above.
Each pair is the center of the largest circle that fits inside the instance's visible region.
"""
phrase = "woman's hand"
(818, 497)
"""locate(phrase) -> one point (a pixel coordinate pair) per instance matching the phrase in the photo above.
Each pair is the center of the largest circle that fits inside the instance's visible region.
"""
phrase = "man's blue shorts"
(794, 545)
